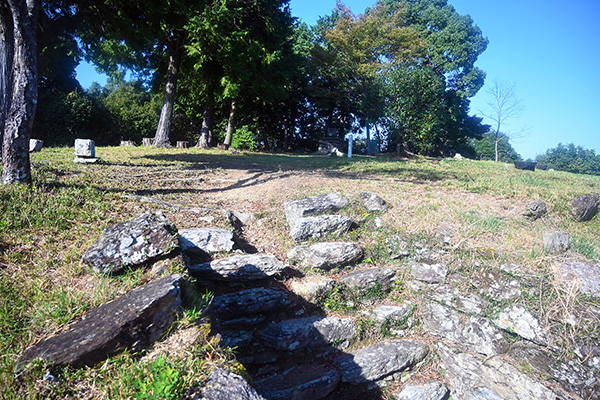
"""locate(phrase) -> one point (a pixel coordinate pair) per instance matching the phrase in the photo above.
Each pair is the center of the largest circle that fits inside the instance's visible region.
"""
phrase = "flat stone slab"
(365, 278)
(313, 205)
(206, 240)
(379, 360)
(326, 255)
(321, 226)
(130, 243)
(518, 320)
(389, 313)
(574, 377)
(225, 385)
(239, 268)
(587, 276)
(131, 321)
(431, 390)
(474, 378)
(305, 332)
(430, 273)
(248, 302)
(311, 287)
(474, 334)
(313, 381)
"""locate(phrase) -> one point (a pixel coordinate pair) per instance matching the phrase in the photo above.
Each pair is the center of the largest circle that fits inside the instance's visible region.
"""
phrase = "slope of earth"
(465, 216)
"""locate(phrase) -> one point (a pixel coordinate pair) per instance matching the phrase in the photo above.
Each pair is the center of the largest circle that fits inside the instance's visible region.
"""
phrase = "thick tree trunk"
(163, 131)
(206, 132)
(230, 124)
(6, 55)
(23, 98)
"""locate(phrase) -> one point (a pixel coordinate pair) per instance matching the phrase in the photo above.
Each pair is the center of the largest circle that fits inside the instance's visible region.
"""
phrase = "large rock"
(311, 332)
(373, 202)
(379, 360)
(428, 391)
(474, 378)
(314, 381)
(321, 226)
(225, 385)
(248, 302)
(585, 207)
(239, 268)
(469, 333)
(574, 377)
(535, 210)
(205, 240)
(130, 243)
(556, 242)
(518, 320)
(326, 255)
(585, 276)
(312, 205)
(371, 277)
(131, 321)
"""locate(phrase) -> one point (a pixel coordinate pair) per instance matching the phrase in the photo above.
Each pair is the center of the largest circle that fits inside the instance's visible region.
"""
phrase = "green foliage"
(244, 139)
(62, 117)
(159, 380)
(416, 101)
(571, 158)
(134, 110)
(484, 148)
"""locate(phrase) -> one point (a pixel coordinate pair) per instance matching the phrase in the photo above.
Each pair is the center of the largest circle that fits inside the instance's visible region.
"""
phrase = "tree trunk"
(369, 147)
(206, 132)
(6, 55)
(163, 131)
(22, 101)
(230, 124)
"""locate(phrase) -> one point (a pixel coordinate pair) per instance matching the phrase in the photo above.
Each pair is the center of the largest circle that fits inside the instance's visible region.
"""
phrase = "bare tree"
(503, 106)
(18, 86)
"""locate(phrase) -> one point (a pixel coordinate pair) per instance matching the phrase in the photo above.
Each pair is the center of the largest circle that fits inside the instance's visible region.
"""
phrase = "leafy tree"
(134, 110)
(62, 117)
(239, 50)
(488, 147)
(571, 158)
(416, 107)
(136, 34)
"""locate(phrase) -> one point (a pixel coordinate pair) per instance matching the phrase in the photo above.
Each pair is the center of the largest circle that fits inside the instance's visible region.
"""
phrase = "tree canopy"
(402, 72)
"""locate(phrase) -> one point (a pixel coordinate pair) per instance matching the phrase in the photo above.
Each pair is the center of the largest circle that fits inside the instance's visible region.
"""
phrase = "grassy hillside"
(45, 228)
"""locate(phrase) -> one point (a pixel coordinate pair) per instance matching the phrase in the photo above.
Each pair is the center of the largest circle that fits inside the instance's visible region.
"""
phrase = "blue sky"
(549, 49)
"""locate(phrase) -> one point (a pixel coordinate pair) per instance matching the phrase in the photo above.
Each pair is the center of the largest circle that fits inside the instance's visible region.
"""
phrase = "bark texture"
(206, 132)
(230, 124)
(6, 54)
(20, 76)
(163, 131)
